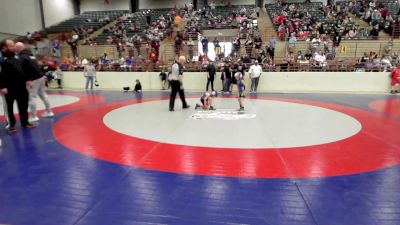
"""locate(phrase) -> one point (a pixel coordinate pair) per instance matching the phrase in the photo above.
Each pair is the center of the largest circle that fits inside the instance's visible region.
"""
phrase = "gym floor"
(109, 157)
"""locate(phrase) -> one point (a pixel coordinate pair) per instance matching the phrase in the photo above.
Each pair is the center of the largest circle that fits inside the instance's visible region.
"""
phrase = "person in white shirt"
(212, 6)
(89, 72)
(372, 4)
(255, 73)
(320, 59)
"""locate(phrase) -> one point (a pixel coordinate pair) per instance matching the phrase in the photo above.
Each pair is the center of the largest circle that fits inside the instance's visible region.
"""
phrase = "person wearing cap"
(206, 101)
(255, 73)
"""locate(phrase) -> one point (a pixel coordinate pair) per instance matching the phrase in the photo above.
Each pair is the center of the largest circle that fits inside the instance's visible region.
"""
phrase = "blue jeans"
(89, 79)
(227, 84)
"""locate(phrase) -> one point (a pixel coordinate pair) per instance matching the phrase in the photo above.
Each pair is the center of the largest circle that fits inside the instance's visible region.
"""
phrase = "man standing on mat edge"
(32, 69)
(176, 77)
(13, 84)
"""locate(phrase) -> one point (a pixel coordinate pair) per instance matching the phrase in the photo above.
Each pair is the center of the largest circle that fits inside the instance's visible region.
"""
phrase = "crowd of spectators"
(377, 14)
(295, 22)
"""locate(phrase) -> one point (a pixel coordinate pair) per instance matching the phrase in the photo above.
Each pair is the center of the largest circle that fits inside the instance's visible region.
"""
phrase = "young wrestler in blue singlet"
(241, 88)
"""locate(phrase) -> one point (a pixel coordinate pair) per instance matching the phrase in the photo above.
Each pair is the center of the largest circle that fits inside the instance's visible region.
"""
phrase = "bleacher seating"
(137, 17)
(314, 8)
(90, 19)
(392, 6)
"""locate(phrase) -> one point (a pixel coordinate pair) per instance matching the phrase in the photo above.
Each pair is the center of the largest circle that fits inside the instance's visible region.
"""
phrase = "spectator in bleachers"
(212, 6)
(217, 47)
(258, 44)
(375, 16)
(236, 46)
(364, 58)
(120, 49)
(74, 47)
(178, 43)
(56, 50)
(148, 17)
(137, 42)
(190, 45)
(204, 42)
(386, 63)
(372, 4)
(352, 34)
(130, 61)
(292, 42)
(257, 10)
(374, 33)
(155, 44)
(104, 59)
(249, 45)
(289, 60)
(270, 52)
(320, 59)
(153, 56)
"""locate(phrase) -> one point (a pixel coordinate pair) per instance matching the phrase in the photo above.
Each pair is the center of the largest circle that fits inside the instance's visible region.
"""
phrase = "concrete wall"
(154, 4)
(151, 4)
(269, 82)
(99, 5)
(57, 11)
(233, 2)
(20, 16)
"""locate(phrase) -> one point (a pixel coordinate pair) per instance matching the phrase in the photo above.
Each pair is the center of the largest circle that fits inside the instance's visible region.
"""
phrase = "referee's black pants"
(210, 80)
(176, 88)
(22, 98)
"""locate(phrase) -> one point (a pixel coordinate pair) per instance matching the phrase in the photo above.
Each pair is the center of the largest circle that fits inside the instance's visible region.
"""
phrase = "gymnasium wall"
(20, 16)
(348, 82)
(233, 2)
(154, 4)
(99, 5)
(56, 11)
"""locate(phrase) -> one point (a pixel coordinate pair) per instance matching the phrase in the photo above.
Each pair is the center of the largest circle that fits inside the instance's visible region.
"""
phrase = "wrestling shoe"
(48, 114)
(33, 119)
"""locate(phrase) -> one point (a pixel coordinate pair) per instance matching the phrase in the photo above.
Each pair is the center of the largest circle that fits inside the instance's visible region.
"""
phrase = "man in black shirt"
(34, 72)
(211, 75)
(228, 77)
(13, 84)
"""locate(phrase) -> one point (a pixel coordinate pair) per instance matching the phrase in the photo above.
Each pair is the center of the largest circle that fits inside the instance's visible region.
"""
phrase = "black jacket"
(211, 69)
(29, 65)
(12, 75)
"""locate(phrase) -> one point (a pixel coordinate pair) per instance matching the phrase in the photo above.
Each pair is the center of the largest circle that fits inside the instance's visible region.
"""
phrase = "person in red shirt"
(384, 12)
(153, 56)
(395, 80)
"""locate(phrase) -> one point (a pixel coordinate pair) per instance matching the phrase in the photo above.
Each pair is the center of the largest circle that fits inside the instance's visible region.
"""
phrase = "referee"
(175, 78)
(13, 84)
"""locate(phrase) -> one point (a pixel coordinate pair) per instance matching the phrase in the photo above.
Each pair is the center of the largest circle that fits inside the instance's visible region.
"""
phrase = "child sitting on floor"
(206, 101)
